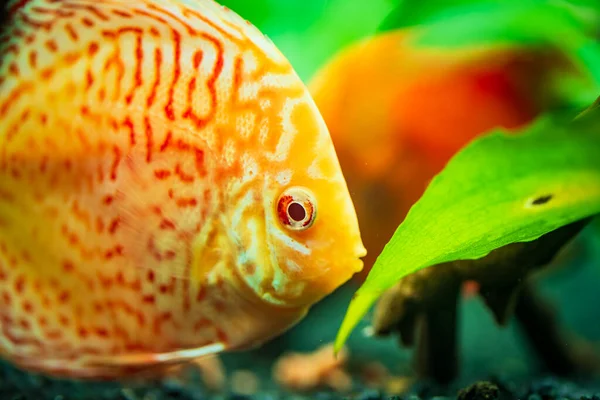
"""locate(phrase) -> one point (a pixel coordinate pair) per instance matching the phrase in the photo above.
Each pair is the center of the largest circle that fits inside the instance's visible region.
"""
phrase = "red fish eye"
(296, 209)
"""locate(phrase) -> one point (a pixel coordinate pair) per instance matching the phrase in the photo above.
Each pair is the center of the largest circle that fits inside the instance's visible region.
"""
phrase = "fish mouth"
(359, 264)
(357, 260)
(360, 253)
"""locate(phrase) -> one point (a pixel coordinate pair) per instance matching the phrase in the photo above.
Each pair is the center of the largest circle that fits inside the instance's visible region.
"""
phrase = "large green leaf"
(500, 189)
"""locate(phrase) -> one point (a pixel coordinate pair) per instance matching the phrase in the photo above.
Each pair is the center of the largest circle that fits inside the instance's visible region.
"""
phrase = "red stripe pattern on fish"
(168, 188)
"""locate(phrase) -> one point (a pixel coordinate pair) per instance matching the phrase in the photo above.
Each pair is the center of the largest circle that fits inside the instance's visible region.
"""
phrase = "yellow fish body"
(168, 188)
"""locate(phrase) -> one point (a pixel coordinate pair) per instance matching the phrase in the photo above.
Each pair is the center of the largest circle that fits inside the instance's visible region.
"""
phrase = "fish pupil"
(296, 212)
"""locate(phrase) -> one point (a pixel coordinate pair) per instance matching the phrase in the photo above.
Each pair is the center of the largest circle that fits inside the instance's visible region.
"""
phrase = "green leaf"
(502, 188)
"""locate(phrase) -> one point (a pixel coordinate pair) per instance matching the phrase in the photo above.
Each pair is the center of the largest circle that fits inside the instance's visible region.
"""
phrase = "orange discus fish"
(168, 188)
(398, 112)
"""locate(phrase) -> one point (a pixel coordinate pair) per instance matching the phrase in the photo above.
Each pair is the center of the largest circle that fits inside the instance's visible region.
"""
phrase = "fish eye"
(296, 209)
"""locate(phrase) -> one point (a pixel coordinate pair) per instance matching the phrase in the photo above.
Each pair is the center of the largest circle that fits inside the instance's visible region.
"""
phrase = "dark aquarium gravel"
(17, 385)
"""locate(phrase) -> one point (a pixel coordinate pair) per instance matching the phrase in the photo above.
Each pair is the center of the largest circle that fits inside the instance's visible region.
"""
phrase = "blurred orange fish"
(397, 113)
(168, 188)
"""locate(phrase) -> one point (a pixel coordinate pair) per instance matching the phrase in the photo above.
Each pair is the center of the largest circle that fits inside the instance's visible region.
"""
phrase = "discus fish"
(168, 188)
(398, 112)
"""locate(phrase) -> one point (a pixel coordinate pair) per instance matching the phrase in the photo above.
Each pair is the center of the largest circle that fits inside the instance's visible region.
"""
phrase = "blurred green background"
(309, 31)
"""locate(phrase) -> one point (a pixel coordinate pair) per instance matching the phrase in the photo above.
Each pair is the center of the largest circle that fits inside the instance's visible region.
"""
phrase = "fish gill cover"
(501, 188)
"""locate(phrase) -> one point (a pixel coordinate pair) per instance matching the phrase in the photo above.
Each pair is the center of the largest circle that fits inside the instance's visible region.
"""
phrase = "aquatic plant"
(500, 189)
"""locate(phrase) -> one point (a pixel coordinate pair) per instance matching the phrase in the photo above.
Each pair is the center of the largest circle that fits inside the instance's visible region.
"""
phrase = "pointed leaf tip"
(359, 306)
